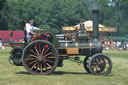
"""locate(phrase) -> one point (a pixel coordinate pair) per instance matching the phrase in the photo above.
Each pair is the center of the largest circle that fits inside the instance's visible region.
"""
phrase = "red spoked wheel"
(40, 57)
(100, 64)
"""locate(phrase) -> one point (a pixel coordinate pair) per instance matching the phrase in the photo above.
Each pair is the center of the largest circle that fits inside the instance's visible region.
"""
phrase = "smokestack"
(95, 14)
(82, 26)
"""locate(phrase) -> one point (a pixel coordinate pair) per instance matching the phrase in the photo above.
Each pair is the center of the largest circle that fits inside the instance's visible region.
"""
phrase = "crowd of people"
(115, 45)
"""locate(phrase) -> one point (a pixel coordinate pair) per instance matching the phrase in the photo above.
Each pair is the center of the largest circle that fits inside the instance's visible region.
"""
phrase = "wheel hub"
(40, 58)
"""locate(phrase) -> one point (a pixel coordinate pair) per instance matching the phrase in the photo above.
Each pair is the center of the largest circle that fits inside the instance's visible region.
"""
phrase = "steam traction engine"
(46, 51)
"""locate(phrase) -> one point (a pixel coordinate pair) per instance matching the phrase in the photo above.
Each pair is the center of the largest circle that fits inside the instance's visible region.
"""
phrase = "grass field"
(70, 74)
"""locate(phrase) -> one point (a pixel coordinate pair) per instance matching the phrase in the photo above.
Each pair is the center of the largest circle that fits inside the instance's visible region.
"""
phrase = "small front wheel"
(100, 64)
(86, 64)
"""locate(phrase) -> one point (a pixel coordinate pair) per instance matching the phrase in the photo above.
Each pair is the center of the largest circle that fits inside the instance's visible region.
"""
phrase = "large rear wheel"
(40, 57)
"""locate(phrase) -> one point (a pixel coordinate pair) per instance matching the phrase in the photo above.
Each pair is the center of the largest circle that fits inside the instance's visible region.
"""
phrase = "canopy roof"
(88, 23)
(4, 34)
(89, 27)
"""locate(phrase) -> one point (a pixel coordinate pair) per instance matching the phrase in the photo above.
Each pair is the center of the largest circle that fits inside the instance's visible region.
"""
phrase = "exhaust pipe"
(95, 14)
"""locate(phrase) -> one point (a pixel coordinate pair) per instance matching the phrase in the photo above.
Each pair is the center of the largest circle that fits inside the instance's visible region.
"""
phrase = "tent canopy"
(89, 27)
(7, 34)
(88, 23)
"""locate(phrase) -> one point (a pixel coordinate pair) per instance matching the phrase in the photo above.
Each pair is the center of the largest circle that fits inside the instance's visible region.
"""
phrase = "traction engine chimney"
(95, 14)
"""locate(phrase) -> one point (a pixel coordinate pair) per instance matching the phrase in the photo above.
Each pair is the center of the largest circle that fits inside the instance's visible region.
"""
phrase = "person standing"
(105, 43)
(1, 44)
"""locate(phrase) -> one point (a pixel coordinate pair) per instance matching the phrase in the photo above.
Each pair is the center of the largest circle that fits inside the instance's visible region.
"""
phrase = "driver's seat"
(25, 36)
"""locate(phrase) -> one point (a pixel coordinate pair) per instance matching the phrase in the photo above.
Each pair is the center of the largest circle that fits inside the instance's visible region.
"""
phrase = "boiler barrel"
(95, 46)
(75, 44)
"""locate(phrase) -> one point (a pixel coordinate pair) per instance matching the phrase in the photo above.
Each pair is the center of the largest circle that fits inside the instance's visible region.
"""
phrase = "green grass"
(70, 74)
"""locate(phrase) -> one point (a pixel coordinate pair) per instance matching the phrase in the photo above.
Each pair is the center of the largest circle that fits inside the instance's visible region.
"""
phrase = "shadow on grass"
(23, 72)
(75, 73)
(61, 73)
(54, 73)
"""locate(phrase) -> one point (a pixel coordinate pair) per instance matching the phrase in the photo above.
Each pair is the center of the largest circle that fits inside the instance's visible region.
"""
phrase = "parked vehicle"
(46, 51)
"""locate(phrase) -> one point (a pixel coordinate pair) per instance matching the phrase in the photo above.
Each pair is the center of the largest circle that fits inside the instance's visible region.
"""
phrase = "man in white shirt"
(29, 28)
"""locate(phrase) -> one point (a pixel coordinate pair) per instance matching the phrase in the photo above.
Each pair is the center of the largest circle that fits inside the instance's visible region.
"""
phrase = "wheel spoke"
(32, 55)
(96, 68)
(32, 62)
(51, 57)
(43, 50)
(104, 60)
(97, 60)
(94, 63)
(93, 67)
(37, 66)
(33, 52)
(46, 50)
(30, 59)
(41, 68)
(44, 66)
(48, 64)
(50, 61)
(36, 50)
(48, 54)
(39, 49)
(33, 65)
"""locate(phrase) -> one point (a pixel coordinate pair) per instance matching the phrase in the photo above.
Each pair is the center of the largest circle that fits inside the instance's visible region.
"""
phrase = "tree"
(2, 4)
(52, 15)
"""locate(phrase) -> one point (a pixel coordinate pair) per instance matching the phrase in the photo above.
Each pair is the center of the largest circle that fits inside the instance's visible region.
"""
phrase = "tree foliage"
(1, 3)
(51, 15)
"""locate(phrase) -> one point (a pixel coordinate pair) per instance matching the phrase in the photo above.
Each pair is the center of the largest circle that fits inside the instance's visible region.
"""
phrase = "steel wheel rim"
(19, 57)
(16, 54)
(101, 65)
(41, 58)
(86, 64)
